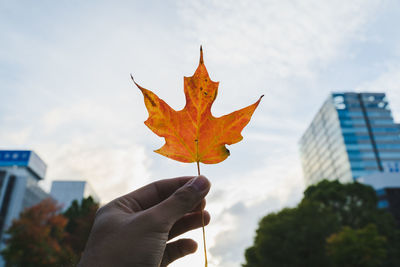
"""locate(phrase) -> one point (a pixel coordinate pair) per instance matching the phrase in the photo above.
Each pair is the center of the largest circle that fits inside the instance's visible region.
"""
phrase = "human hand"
(134, 230)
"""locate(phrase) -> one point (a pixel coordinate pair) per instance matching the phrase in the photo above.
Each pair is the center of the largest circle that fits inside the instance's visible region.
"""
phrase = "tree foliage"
(357, 247)
(329, 213)
(42, 236)
(37, 238)
(80, 220)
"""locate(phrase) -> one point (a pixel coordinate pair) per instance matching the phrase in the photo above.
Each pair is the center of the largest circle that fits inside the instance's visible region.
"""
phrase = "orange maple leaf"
(193, 134)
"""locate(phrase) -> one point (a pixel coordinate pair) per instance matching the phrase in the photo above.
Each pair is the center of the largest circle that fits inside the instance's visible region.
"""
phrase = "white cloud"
(246, 198)
(15, 138)
(286, 38)
(241, 220)
(111, 170)
(90, 141)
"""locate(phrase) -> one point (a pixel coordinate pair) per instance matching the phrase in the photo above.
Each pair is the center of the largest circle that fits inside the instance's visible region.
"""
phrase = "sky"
(66, 92)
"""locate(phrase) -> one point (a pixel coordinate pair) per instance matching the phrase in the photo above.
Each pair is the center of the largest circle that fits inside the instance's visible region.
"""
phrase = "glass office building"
(352, 135)
(20, 172)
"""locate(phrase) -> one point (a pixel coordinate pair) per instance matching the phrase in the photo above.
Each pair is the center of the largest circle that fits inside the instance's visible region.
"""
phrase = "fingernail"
(200, 183)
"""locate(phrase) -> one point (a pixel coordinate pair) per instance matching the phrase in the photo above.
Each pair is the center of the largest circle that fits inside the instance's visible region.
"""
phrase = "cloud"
(242, 220)
(246, 199)
(238, 224)
(286, 38)
(16, 137)
(112, 171)
(87, 140)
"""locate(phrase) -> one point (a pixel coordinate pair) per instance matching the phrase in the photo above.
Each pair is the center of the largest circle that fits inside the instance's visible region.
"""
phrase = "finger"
(201, 206)
(152, 194)
(189, 222)
(178, 249)
(183, 200)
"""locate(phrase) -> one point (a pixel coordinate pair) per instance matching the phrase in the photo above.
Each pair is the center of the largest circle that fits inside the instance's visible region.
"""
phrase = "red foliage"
(37, 238)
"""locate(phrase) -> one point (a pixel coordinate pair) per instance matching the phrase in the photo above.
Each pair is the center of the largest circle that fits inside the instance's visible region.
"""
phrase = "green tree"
(292, 237)
(353, 204)
(298, 236)
(357, 247)
(80, 217)
(36, 239)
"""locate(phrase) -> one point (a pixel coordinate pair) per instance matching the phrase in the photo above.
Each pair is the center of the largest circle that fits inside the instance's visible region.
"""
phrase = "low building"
(64, 192)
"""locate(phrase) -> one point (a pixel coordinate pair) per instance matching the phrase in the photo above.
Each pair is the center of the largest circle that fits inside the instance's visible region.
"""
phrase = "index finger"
(152, 194)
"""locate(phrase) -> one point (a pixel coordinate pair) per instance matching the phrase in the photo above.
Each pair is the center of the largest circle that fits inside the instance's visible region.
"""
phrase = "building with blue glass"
(20, 172)
(352, 135)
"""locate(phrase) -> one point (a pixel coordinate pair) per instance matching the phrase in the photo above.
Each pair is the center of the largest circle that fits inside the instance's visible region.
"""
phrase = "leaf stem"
(198, 168)
(202, 222)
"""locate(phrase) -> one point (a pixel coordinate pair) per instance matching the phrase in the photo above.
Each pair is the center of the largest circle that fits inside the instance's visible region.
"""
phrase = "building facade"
(64, 192)
(352, 135)
(20, 172)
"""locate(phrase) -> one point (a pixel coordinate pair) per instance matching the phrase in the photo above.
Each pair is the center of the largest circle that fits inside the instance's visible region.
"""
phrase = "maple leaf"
(193, 134)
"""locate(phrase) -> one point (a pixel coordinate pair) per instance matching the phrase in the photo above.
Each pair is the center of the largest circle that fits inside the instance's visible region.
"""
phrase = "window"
(385, 130)
(349, 114)
(357, 174)
(388, 155)
(386, 137)
(388, 146)
(338, 99)
(381, 113)
(355, 130)
(363, 163)
(346, 122)
(383, 204)
(364, 146)
(391, 166)
(354, 137)
(356, 155)
(6, 201)
(380, 192)
(363, 168)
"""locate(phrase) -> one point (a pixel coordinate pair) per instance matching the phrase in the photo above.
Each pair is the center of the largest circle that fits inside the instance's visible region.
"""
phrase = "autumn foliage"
(42, 236)
(37, 238)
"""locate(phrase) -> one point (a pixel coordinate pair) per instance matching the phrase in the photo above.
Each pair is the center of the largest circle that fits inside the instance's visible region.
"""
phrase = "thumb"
(183, 200)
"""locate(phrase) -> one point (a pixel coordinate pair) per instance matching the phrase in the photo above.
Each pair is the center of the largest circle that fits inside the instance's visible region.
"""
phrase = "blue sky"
(66, 91)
